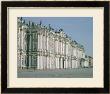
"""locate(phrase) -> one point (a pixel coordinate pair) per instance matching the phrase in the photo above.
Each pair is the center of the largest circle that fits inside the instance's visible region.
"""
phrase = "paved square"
(56, 73)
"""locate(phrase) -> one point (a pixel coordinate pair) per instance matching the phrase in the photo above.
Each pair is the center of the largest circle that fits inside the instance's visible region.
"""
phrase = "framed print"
(55, 47)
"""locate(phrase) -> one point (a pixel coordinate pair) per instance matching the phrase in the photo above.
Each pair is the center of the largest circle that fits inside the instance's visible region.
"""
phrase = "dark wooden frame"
(6, 4)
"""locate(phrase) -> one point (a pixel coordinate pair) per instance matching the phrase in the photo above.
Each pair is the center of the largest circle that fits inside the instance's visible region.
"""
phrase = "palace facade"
(42, 47)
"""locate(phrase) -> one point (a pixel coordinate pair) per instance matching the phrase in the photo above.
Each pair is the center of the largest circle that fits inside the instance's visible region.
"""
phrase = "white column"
(66, 49)
(33, 40)
(77, 64)
(41, 41)
(24, 60)
(50, 63)
(38, 42)
(66, 63)
(54, 65)
(21, 62)
(60, 47)
(51, 45)
(41, 62)
(29, 61)
(72, 63)
(63, 48)
(44, 62)
(21, 39)
(58, 63)
(18, 60)
(78, 53)
(74, 51)
(47, 44)
(29, 41)
(52, 49)
(69, 63)
(61, 63)
(56, 48)
(47, 62)
(25, 44)
(54, 45)
(38, 61)
(18, 40)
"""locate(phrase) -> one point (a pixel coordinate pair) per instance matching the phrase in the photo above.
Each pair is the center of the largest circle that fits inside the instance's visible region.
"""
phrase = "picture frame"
(5, 45)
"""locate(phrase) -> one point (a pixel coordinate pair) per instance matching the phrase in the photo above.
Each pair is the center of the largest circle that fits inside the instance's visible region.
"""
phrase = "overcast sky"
(78, 28)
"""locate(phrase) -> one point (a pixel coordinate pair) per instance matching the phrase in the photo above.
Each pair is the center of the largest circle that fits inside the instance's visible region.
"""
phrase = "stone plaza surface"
(58, 73)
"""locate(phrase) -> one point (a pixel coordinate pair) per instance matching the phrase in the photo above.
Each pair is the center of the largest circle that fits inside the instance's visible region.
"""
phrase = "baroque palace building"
(42, 47)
